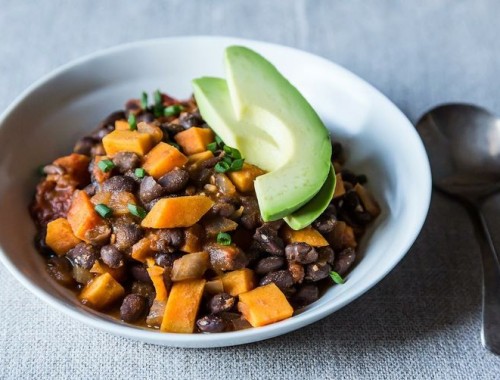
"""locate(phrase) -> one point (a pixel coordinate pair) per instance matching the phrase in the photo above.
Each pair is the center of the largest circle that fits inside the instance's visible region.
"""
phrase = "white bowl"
(46, 120)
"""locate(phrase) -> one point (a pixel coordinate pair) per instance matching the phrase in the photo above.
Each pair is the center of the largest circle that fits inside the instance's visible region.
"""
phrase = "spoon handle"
(490, 334)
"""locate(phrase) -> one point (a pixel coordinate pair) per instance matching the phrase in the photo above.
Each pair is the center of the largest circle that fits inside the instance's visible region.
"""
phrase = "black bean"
(139, 272)
(226, 257)
(111, 256)
(171, 129)
(167, 239)
(84, 145)
(150, 189)
(90, 189)
(317, 271)
(351, 202)
(119, 183)
(362, 218)
(188, 120)
(59, 268)
(166, 259)
(83, 255)
(211, 162)
(269, 264)
(133, 308)
(326, 255)
(344, 261)
(109, 121)
(337, 151)
(250, 218)
(223, 209)
(325, 223)
(99, 235)
(221, 302)
(127, 233)
(132, 105)
(267, 237)
(306, 295)
(146, 117)
(349, 176)
(301, 253)
(126, 161)
(174, 181)
(211, 324)
(282, 279)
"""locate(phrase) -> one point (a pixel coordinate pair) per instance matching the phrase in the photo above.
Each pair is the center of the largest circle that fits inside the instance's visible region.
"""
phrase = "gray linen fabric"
(421, 322)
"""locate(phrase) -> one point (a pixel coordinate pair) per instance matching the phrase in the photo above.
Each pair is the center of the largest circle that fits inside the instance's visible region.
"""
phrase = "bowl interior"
(47, 120)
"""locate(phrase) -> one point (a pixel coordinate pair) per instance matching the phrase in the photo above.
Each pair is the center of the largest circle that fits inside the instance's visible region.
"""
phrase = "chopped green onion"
(158, 98)
(175, 145)
(227, 160)
(212, 147)
(218, 140)
(237, 164)
(103, 210)
(140, 172)
(337, 278)
(222, 167)
(172, 110)
(106, 165)
(235, 153)
(223, 238)
(144, 100)
(228, 149)
(137, 210)
(132, 122)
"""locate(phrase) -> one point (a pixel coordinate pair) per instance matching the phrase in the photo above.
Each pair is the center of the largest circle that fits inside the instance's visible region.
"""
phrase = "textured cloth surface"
(421, 322)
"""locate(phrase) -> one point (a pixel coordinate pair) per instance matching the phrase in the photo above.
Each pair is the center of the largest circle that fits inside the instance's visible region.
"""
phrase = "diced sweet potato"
(367, 199)
(154, 131)
(193, 239)
(214, 286)
(264, 305)
(82, 216)
(101, 292)
(238, 281)
(60, 237)
(156, 274)
(162, 159)
(218, 224)
(97, 173)
(224, 184)
(243, 179)
(119, 274)
(122, 125)
(177, 212)
(194, 140)
(127, 141)
(199, 157)
(142, 250)
(117, 201)
(76, 165)
(339, 186)
(155, 316)
(190, 266)
(307, 235)
(342, 236)
(182, 306)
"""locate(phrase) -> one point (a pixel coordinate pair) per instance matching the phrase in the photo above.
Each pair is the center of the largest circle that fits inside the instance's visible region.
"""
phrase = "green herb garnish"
(237, 165)
(103, 210)
(222, 167)
(223, 238)
(172, 110)
(337, 278)
(140, 172)
(106, 165)
(144, 100)
(212, 147)
(219, 141)
(158, 107)
(132, 122)
(137, 210)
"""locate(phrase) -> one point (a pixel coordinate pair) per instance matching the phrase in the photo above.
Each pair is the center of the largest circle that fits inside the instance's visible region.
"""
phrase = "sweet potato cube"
(97, 173)
(182, 306)
(243, 179)
(162, 159)
(190, 266)
(194, 140)
(177, 212)
(127, 141)
(307, 235)
(238, 281)
(142, 250)
(82, 216)
(367, 199)
(153, 130)
(122, 125)
(193, 239)
(60, 237)
(119, 274)
(156, 274)
(155, 316)
(339, 186)
(101, 292)
(264, 305)
(117, 201)
(214, 286)
(342, 236)
(76, 165)
(199, 157)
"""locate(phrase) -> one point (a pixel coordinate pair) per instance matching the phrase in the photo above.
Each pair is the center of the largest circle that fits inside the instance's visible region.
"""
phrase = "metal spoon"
(463, 144)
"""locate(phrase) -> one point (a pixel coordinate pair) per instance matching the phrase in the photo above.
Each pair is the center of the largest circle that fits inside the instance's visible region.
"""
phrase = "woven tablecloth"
(421, 322)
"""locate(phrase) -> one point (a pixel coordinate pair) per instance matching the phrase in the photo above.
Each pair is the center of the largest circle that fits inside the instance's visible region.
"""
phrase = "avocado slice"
(259, 112)
(308, 213)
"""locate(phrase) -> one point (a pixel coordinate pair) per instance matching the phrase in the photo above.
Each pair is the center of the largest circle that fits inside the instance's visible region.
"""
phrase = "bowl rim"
(226, 338)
